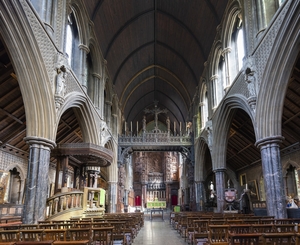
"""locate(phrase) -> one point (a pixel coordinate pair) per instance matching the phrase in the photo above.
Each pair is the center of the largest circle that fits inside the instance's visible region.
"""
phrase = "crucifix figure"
(156, 111)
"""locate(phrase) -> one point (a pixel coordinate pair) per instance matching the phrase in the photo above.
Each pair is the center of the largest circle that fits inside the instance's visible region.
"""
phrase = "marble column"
(200, 195)
(144, 196)
(273, 176)
(112, 197)
(220, 188)
(37, 179)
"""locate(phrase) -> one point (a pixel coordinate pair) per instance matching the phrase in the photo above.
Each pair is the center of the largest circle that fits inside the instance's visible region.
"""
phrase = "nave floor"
(158, 232)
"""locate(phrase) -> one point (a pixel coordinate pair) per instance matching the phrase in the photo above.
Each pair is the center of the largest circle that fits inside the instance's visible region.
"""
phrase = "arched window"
(221, 79)
(90, 79)
(204, 109)
(265, 11)
(72, 40)
(238, 49)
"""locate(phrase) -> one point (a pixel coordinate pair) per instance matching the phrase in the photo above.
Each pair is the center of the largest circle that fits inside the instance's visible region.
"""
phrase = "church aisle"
(158, 232)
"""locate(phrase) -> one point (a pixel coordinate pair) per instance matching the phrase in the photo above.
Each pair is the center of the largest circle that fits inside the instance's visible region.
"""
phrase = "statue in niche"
(250, 80)
(60, 86)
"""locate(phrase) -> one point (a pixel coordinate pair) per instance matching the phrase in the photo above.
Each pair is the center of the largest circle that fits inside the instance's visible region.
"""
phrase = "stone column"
(112, 197)
(58, 167)
(108, 105)
(214, 87)
(226, 53)
(37, 179)
(84, 50)
(273, 177)
(220, 188)
(200, 195)
(95, 91)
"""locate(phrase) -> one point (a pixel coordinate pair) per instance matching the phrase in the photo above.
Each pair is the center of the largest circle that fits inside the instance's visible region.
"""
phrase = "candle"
(125, 127)
(180, 126)
(246, 186)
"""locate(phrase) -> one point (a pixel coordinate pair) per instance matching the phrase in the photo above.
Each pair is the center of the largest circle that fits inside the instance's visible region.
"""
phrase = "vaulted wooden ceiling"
(155, 51)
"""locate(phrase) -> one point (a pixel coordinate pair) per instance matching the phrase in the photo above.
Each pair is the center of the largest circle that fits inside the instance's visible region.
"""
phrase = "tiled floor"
(158, 232)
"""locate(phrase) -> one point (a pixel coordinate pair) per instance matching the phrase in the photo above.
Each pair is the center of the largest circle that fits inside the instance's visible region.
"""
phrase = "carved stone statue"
(250, 79)
(60, 86)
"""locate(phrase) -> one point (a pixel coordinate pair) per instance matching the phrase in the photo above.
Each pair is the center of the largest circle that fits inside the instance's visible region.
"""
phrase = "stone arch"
(287, 164)
(200, 148)
(18, 188)
(276, 74)
(221, 126)
(217, 52)
(20, 169)
(40, 116)
(214, 75)
(230, 15)
(84, 114)
(96, 57)
(82, 21)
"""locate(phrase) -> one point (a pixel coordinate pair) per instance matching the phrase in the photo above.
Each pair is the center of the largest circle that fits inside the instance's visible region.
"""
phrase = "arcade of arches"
(110, 118)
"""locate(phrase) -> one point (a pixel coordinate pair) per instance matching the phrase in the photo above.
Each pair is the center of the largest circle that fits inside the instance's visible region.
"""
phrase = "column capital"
(84, 47)
(96, 75)
(214, 77)
(268, 141)
(31, 140)
(226, 50)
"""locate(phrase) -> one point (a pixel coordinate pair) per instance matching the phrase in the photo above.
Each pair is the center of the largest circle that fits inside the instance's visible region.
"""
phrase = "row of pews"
(198, 228)
(117, 228)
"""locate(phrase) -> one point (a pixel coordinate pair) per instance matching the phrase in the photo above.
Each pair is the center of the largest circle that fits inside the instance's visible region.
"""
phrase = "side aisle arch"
(32, 75)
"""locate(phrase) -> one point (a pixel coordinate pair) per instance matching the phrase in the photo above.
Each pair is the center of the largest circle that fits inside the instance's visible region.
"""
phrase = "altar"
(156, 204)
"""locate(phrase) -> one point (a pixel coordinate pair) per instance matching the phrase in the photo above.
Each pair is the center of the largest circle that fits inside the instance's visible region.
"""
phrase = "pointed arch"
(84, 115)
(40, 116)
(222, 122)
(277, 72)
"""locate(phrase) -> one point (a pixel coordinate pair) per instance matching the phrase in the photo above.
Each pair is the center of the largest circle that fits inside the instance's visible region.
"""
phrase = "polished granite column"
(273, 177)
(112, 197)
(199, 195)
(37, 179)
(220, 188)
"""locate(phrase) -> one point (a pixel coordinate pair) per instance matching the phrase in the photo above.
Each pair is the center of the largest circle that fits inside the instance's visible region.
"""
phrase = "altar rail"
(64, 202)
